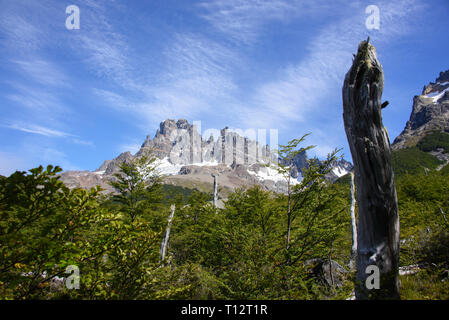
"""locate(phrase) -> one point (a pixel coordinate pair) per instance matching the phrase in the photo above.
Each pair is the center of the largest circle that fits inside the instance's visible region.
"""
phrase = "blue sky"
(77, 97)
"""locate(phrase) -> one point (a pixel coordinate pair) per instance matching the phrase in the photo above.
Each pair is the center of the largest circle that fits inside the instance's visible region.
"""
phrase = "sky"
(76, 97)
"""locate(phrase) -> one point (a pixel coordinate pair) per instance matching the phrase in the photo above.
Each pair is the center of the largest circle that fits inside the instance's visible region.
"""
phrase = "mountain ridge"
(430, 112)
(188, 159)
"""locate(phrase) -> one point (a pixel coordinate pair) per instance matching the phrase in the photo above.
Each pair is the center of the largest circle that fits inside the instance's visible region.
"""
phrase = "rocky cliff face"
(339, 169)
(188, 159)
(430, 112)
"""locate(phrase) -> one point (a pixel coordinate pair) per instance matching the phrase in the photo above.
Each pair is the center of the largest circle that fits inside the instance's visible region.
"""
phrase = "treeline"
(261, 245)
(417, 159)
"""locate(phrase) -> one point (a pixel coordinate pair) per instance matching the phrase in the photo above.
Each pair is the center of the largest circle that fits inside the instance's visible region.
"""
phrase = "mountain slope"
(424, 142)
(189, 160)
(430, 112)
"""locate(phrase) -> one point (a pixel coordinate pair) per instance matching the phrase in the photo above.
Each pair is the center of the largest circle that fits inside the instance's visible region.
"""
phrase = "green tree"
(138, 185)
(286, 154)
(41, 222)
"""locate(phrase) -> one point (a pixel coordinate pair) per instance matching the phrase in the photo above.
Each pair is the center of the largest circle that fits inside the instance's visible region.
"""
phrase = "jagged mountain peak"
(444, 76)
(167, 126)
(187, 158)
(430, 111)
(436, 90)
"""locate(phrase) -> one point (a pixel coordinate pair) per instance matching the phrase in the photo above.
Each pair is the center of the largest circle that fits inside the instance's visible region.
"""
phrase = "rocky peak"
(183, 124)
(167, 126)
(440, 85)
(444, 76)
(112, 166)
(430, 111)
(185, 156)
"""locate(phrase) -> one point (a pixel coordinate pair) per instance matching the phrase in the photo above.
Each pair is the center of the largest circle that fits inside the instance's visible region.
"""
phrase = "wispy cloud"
(36, 82)
(42, 71)
(243, 20)
(198, 74)
(47, 132)
(299, 92)
(36, 129)
(103, 48)
(19, 32)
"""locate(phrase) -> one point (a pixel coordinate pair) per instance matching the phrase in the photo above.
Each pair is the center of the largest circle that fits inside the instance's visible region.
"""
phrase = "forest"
(260, 245)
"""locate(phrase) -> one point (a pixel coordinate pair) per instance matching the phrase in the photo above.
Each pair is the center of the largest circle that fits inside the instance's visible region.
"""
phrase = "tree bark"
(378, 223)
(353, 226)
(215, 190)
(164, 243)
(289, 214)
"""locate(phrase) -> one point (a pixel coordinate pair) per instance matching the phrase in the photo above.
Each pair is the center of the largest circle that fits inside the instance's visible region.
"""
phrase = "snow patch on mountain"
(437, 95)
(165, 167)
(270, 173)
(340, 171)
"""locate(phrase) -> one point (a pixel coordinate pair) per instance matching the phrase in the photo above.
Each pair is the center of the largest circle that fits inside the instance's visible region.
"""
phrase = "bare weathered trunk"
(378, 223)
(443, 215)
(289, 214)
(164, 243)
(353, 225)
(215, 190)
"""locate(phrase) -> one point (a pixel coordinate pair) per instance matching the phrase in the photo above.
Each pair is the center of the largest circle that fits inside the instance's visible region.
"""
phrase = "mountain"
(340, 168)
(424, 142)
(430, 112)
(187, 159)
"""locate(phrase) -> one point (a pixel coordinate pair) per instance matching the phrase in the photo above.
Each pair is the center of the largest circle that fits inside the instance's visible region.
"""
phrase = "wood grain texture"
(378, 223)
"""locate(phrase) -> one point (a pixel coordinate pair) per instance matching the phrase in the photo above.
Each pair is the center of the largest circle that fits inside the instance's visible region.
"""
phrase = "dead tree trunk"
(378, 224)
(353, 226)
(215, 190)
(164, 243)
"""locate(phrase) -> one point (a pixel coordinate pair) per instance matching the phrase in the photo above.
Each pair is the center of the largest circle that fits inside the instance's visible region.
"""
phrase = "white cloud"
(242, 20)
(103, 48)
(20, 33)
(300, 90)
(198, 74)
(47, 132)
(36, 129)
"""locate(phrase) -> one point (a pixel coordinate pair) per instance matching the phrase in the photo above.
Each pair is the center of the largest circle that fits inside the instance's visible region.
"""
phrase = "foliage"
(344, 180)
(434, 140)
(178, 195)
(43, 228)
(412, 161)
(138, 186)
(319, 212)
(286, 154)
(428, 284)
(445, 170)
(237, 252)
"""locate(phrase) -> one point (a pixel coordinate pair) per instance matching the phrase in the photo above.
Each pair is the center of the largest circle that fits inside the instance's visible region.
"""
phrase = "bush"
(412, 160)
(433, 141)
